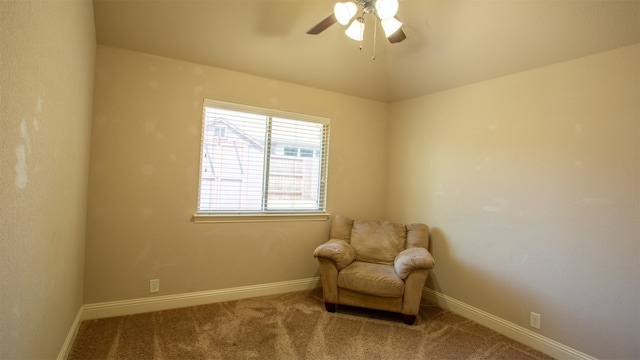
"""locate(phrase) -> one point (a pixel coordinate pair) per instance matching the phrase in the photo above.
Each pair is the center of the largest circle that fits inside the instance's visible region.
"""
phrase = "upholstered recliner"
(375, 264)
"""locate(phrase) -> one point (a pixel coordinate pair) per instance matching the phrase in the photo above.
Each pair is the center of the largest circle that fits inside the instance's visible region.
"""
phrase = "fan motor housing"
(368, 6)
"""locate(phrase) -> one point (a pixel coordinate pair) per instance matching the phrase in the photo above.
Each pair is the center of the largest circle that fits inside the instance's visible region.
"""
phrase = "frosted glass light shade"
(386, 9)
(344, 11)
(356, 30)
(390, 26)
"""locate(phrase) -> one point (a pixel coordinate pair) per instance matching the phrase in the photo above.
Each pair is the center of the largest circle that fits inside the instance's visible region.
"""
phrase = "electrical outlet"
(154, 285)
(534, 320)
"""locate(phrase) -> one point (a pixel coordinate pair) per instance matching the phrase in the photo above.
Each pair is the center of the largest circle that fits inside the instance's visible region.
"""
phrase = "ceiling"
(450, 42)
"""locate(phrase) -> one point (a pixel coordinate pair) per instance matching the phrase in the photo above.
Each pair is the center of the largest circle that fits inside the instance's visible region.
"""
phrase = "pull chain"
(362, 31)
(375, 32)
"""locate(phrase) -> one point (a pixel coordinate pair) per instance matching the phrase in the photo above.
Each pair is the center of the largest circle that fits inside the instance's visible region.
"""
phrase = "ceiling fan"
(382, 10)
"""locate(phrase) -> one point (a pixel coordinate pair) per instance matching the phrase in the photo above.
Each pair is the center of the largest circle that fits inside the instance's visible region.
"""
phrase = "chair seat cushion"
(373, 279)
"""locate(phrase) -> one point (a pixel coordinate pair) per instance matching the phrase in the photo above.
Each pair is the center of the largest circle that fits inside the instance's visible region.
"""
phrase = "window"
(306, 153)
(257, 161)
(220, 131)
(291, 151)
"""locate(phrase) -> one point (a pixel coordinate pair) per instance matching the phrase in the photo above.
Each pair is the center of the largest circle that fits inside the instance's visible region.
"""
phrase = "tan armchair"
(375, 264)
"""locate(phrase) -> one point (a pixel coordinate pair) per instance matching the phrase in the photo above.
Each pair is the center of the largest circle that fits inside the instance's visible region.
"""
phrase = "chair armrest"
(411, 259)
(338, 251)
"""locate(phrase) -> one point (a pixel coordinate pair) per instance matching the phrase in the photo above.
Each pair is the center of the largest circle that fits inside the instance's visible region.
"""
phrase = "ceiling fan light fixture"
(356, 30)
(390, 26)
(352, 14)
(386, 9)
(344, 11)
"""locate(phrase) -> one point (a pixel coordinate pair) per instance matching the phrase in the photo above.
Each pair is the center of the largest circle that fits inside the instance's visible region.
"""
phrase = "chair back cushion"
(417, 236)
(377, 241)
(341, 228)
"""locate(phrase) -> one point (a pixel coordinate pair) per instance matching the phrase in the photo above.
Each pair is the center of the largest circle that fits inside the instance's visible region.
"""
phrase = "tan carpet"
(291, 326)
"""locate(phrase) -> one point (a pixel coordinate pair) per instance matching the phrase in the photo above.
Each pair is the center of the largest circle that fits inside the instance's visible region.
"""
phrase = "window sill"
(247, 218)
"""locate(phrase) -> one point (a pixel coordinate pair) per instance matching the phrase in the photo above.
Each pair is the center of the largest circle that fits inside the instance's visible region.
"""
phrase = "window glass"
(253, 161)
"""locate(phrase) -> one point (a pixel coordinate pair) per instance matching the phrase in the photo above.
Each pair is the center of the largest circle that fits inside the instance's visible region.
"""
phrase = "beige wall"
(531, 184)
(144, 179)
(47, 54)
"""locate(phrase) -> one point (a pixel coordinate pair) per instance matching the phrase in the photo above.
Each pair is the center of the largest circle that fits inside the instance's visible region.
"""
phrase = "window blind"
(257, 160)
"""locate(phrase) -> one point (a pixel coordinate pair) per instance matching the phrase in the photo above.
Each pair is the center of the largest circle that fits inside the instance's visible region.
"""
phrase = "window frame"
(264, 215)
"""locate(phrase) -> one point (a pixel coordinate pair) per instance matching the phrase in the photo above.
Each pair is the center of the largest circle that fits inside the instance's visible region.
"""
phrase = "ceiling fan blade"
(323, 25)
(397, 36)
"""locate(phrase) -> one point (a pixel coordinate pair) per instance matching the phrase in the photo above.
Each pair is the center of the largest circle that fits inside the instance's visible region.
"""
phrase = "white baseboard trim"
(71, 337)
(506, 328)
(157, 303)
(136, 306)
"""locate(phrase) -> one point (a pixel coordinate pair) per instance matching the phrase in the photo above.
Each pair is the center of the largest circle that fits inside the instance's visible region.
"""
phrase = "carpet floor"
(291, 326)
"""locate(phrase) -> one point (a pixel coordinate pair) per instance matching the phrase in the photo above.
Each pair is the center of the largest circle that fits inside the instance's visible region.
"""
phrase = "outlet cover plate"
(154, 285)
(534, 320)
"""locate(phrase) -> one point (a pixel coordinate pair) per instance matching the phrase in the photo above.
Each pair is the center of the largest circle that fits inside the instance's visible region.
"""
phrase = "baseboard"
(509, 329)
(71, 337)
(157, 303)
(136, 306)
